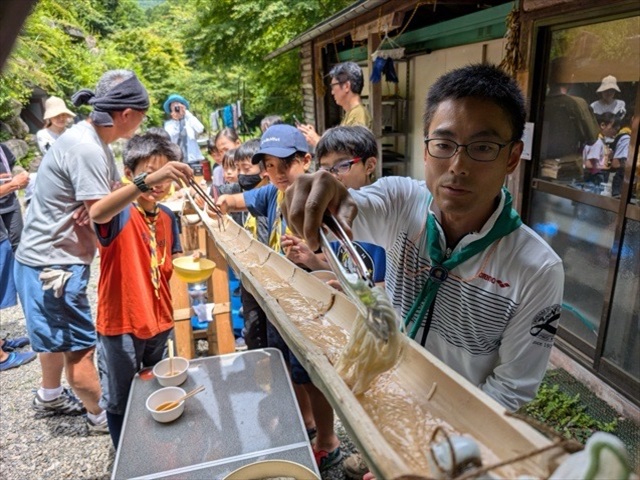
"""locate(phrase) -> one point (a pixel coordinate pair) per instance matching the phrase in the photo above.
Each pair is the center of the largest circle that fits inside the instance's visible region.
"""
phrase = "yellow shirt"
(358, 115)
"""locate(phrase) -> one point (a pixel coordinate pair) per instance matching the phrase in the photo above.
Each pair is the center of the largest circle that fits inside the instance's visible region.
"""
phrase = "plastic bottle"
(198, 296)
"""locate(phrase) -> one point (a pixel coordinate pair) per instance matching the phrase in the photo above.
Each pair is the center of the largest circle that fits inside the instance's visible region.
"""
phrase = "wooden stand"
(219, 333)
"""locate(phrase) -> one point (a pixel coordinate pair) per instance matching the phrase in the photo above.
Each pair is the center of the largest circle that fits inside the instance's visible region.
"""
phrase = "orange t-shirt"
(127, 301)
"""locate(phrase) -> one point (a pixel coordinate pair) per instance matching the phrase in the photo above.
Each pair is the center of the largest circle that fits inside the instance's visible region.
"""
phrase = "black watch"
(138, 181)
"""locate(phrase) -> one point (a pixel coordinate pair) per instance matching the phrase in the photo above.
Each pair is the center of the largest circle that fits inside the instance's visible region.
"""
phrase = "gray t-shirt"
(78, 167)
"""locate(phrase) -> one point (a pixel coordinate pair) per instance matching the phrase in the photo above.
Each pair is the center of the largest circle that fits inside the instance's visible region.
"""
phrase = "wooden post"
(375, 100)
(220, 331)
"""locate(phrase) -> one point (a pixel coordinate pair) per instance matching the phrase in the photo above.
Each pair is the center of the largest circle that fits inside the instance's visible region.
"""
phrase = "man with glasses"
(476, 287)
(346, 86)
(58, 245)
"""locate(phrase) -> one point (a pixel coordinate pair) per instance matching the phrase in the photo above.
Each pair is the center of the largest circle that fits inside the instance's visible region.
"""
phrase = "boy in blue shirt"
(285, 154)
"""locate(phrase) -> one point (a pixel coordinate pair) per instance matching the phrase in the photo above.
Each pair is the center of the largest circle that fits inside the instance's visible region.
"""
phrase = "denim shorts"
(274, 340)
(56, 324)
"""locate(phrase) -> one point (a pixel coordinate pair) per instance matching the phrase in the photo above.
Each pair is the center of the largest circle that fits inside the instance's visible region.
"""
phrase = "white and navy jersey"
(494, 319)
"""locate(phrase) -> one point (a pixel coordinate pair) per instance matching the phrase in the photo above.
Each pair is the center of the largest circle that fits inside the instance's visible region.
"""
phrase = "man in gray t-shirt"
(58, 245)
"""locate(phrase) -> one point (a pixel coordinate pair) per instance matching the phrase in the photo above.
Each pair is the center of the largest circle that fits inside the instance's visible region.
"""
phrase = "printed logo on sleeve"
(545, 324)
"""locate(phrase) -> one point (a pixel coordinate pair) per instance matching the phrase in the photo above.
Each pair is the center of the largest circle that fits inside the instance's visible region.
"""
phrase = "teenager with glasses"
(346, 86)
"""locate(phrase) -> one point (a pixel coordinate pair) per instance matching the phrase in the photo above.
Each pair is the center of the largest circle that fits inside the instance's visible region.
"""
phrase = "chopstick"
(209, 201)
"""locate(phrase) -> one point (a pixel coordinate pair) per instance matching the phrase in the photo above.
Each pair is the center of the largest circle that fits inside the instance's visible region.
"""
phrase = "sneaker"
(97, 428)
(66, 404)
(326, 460)
(354, 467)
(13, 343)
(16, 359)
(241, 345)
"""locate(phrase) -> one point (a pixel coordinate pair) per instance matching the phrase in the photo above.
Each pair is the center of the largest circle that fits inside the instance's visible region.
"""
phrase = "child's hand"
(197, 254)
(299, 252)
(171, 171)
(223, 203)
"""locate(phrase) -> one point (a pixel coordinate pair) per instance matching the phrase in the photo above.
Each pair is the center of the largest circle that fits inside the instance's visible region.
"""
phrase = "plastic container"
(198, 297)
(180, 369)
(167, 394)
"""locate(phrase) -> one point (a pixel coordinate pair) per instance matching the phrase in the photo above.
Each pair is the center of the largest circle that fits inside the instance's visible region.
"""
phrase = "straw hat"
(608, 83)
(54, 106)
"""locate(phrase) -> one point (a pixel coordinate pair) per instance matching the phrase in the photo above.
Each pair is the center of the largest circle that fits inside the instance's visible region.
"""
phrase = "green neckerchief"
(506, 223)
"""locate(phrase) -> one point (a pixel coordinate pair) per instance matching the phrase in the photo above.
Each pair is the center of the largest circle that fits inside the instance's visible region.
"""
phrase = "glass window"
(622, 345)
(582, 236)
(591, 88)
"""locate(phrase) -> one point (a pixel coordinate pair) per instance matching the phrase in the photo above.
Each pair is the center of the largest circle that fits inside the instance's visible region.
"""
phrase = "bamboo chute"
(391, 424)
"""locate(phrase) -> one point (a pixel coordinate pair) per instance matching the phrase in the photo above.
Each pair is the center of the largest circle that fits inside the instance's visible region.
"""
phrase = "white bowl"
(272, 468)
(180, 368)
(324, 275)
(167, 394)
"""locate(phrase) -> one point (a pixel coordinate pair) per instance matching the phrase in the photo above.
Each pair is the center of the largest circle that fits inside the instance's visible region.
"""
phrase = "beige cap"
(54, 106)
(608, 83)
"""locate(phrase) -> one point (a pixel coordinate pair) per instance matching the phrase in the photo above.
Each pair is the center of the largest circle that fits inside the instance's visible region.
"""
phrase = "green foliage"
(565, 414)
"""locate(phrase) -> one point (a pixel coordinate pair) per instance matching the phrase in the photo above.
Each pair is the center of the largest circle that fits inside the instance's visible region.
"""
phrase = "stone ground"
(36, 446)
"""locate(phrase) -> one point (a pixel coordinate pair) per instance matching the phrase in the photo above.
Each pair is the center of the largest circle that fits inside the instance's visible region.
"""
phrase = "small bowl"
(193, 270)
(272, 468)
(324, 275)
(167, 394)
(180, 369)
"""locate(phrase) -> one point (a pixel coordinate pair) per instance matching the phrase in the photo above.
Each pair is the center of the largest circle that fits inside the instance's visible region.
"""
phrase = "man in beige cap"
(56, 118)
(607, 101)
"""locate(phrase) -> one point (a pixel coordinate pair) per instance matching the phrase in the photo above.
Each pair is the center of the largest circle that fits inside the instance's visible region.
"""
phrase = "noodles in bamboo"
(366, 355)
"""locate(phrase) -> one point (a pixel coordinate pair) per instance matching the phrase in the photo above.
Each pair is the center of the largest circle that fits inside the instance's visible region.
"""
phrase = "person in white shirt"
(184, 128)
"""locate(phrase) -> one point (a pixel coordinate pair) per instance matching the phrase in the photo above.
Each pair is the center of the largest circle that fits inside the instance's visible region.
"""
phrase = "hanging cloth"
(150, 219)
(227, 116)
(507, 222)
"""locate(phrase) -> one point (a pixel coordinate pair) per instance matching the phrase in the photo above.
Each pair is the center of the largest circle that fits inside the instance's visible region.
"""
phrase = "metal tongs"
(357, 285)
(209, 201)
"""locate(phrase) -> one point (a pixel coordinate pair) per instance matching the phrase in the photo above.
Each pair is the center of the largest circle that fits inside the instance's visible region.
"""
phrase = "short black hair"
(247, 150)
(227, 132)
(147, 145)
(353, 140)
(479, 81)
(351, 72)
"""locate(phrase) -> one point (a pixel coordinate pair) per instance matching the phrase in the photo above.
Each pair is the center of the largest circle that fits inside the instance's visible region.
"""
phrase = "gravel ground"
(37, 446)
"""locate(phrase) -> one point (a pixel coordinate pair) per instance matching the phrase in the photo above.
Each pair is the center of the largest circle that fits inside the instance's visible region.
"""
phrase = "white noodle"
(366, 356)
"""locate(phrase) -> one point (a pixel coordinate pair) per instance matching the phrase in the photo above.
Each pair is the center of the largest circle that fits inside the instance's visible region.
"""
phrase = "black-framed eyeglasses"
(333, 84)
(342, 167)
(480, 151)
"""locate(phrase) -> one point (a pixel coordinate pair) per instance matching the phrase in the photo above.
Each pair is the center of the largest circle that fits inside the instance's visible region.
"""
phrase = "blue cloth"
(262, 202)
(227, 116)
(174, 97)
(56, 324)
(8, 294)
(373, 256)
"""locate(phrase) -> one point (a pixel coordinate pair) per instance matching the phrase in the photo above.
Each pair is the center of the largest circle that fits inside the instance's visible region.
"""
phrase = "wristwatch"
(138, 181)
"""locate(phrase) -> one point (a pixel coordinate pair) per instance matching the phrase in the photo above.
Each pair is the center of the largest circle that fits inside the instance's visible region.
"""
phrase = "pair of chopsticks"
(209, 201)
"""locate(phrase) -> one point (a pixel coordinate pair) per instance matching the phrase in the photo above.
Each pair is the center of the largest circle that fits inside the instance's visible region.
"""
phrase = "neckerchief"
(279, 227)
(507, 222)
(150, 219)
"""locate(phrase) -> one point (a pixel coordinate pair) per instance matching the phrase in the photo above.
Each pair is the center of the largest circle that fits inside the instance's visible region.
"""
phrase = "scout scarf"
(150, 219)
(279, 227)
(507, 222)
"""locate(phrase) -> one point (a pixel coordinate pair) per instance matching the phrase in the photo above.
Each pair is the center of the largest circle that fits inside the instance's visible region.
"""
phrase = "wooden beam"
(220, 331)
(375, 101)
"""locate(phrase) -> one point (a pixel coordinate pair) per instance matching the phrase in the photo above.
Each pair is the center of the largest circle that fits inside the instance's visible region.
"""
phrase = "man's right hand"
(177, 115)
(307, 200)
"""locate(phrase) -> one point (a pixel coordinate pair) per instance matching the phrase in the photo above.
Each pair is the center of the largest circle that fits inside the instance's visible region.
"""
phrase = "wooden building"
(594, 229)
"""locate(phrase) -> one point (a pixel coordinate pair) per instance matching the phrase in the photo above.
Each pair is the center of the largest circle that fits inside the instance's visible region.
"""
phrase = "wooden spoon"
(174, 403)
(170, 347)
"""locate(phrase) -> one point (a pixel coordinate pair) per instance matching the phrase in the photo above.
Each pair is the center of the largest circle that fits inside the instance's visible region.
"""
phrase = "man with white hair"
(346, 86)
(58, 245)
